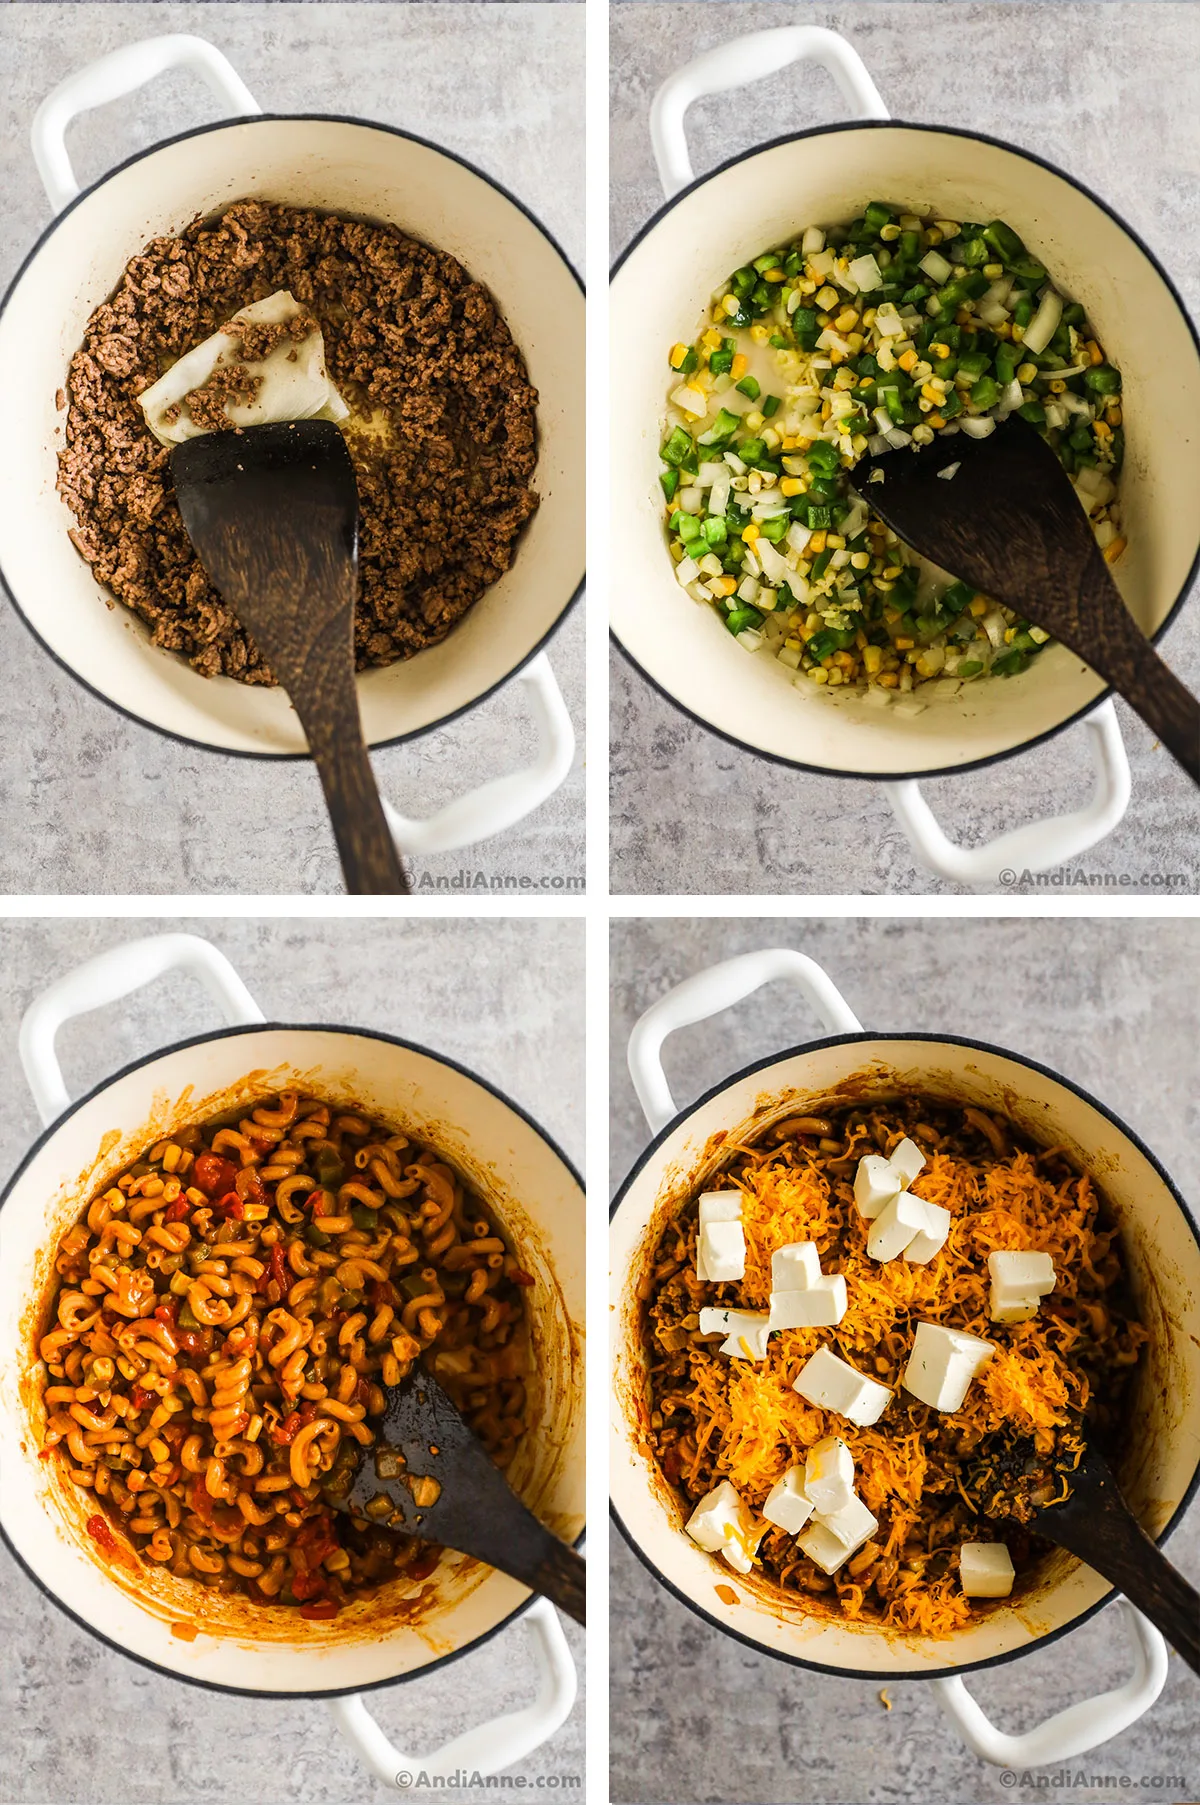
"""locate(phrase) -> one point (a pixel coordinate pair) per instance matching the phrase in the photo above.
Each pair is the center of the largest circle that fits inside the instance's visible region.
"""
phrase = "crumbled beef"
(411, 342)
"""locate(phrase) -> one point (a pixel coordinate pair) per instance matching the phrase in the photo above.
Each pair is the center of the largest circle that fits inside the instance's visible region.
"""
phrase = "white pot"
(661, 290)
(1162, 1251)
(522, 1175)
(338, 165)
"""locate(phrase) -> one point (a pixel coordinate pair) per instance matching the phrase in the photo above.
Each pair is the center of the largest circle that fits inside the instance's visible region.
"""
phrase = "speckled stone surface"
(698, 1716)
(1083, 85)
(80, 1724)
(96, 804)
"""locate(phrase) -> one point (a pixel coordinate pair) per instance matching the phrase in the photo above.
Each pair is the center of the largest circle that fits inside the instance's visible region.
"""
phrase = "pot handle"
(706, 993)
(1077, 1729)
(746, 59)
(486, 1749)
(502, 801)
(110, 78)
(107, 978)
(1038, 845)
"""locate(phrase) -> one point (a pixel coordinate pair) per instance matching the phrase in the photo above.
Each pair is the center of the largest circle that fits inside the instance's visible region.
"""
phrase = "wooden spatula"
(1009, 523)
(1095, 1523)
(273, 514)
(471, 1506)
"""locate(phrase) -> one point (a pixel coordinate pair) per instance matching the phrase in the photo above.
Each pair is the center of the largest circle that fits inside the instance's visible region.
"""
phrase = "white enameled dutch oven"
(1162, 1251)
(338, 165)
(535, 1193)
(661, 289)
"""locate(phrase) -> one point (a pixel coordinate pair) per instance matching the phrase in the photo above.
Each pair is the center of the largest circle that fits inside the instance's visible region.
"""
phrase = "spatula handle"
(561, 1576)
(370, 863)
(1128, 661)
(1108, 1536)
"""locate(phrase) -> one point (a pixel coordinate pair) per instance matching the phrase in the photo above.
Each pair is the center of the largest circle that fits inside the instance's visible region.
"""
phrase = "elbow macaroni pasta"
(225, 1317)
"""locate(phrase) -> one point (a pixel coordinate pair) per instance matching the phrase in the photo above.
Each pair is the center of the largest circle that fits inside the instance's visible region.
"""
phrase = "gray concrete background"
(95, 804)
(1112, 94)
(696, 1715)
(80, 1723)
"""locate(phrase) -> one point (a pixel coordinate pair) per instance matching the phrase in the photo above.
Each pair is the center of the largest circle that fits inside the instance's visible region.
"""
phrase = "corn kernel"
(1058, 387)
(759, 334)
(908, 360)
(888, 680)
(816, 543)
(835, 542)
(731, 305)
(933, 236)
(1094, 352)
(1026, 373)
(872, 659)
(819, 676)
(939, 350)
(846, 321)
(936, 421)
(774, 275)
(979, 607)
(750, 532)
(738, 367)
(904, 645)
(791, 485)
(993, 271)
(827, 297)
(1113, 551)
(1101, 431)
(723, 585)
(1112, 414)
(860, 560)
(933, 392)
(678, 353)
(892, 572)
(160, 1450)
(711, 340)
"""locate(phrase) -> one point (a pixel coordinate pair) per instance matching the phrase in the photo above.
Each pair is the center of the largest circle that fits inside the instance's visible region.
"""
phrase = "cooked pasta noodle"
(224, 1319)
(932, 1480)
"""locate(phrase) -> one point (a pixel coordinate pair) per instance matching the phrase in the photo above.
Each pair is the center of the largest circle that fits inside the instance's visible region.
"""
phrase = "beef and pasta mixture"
(225, 1316)
(442, 430)
(933, 1479)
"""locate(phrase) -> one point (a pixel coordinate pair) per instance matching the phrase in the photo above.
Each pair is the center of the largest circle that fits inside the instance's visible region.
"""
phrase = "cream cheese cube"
(721, 1253)
(907, 1161)
(787, 1506)
(1022, 1309)
(721, 1206)
(932, 1238)
(829, 1475)
(719, 1515)
(1021, 1274)
(853, 1524)
(831, 1383)
(741, 1551)
(715, 1321)
(823, 1548)
(796, 1267)
(748, 1337)
(985, 1569)
(942, 1364)
(897, 1223)
(875, 1184)
(821, 1306)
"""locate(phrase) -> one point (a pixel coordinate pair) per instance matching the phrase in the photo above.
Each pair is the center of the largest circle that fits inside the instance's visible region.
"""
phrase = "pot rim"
(47, 1134)
(979, 1046)
(1032, 156)
(199, 131)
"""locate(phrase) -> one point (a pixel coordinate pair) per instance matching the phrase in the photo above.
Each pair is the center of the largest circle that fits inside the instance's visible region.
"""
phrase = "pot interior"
(518, 1173)
(1162, 1255)
(660, 295)
(336, 166)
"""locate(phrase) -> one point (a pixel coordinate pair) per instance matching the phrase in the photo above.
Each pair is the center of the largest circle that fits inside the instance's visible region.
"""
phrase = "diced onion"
(936, 267)
(1044, 324)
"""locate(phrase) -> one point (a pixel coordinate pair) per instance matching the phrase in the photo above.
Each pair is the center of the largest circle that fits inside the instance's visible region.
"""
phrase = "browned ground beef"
(408, 334)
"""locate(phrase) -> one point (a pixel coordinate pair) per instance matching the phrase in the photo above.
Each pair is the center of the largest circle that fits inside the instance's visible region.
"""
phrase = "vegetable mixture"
(851, 340)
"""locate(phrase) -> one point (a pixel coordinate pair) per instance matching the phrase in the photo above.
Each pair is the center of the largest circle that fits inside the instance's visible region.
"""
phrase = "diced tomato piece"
(168, 1312)
(315, 1200)
(423, 1566)
(231, 1205)
(307, 1584)
(383, 1292)
(194, 1341)
(523, 1278)
(142, 1397)
(279, 1271)
(101, 1534)
(362, 1392)
(285, 1432)
(176, 1211)
(214, 1175)
(253, 1191)
(202, 1504)
(320, 1611)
